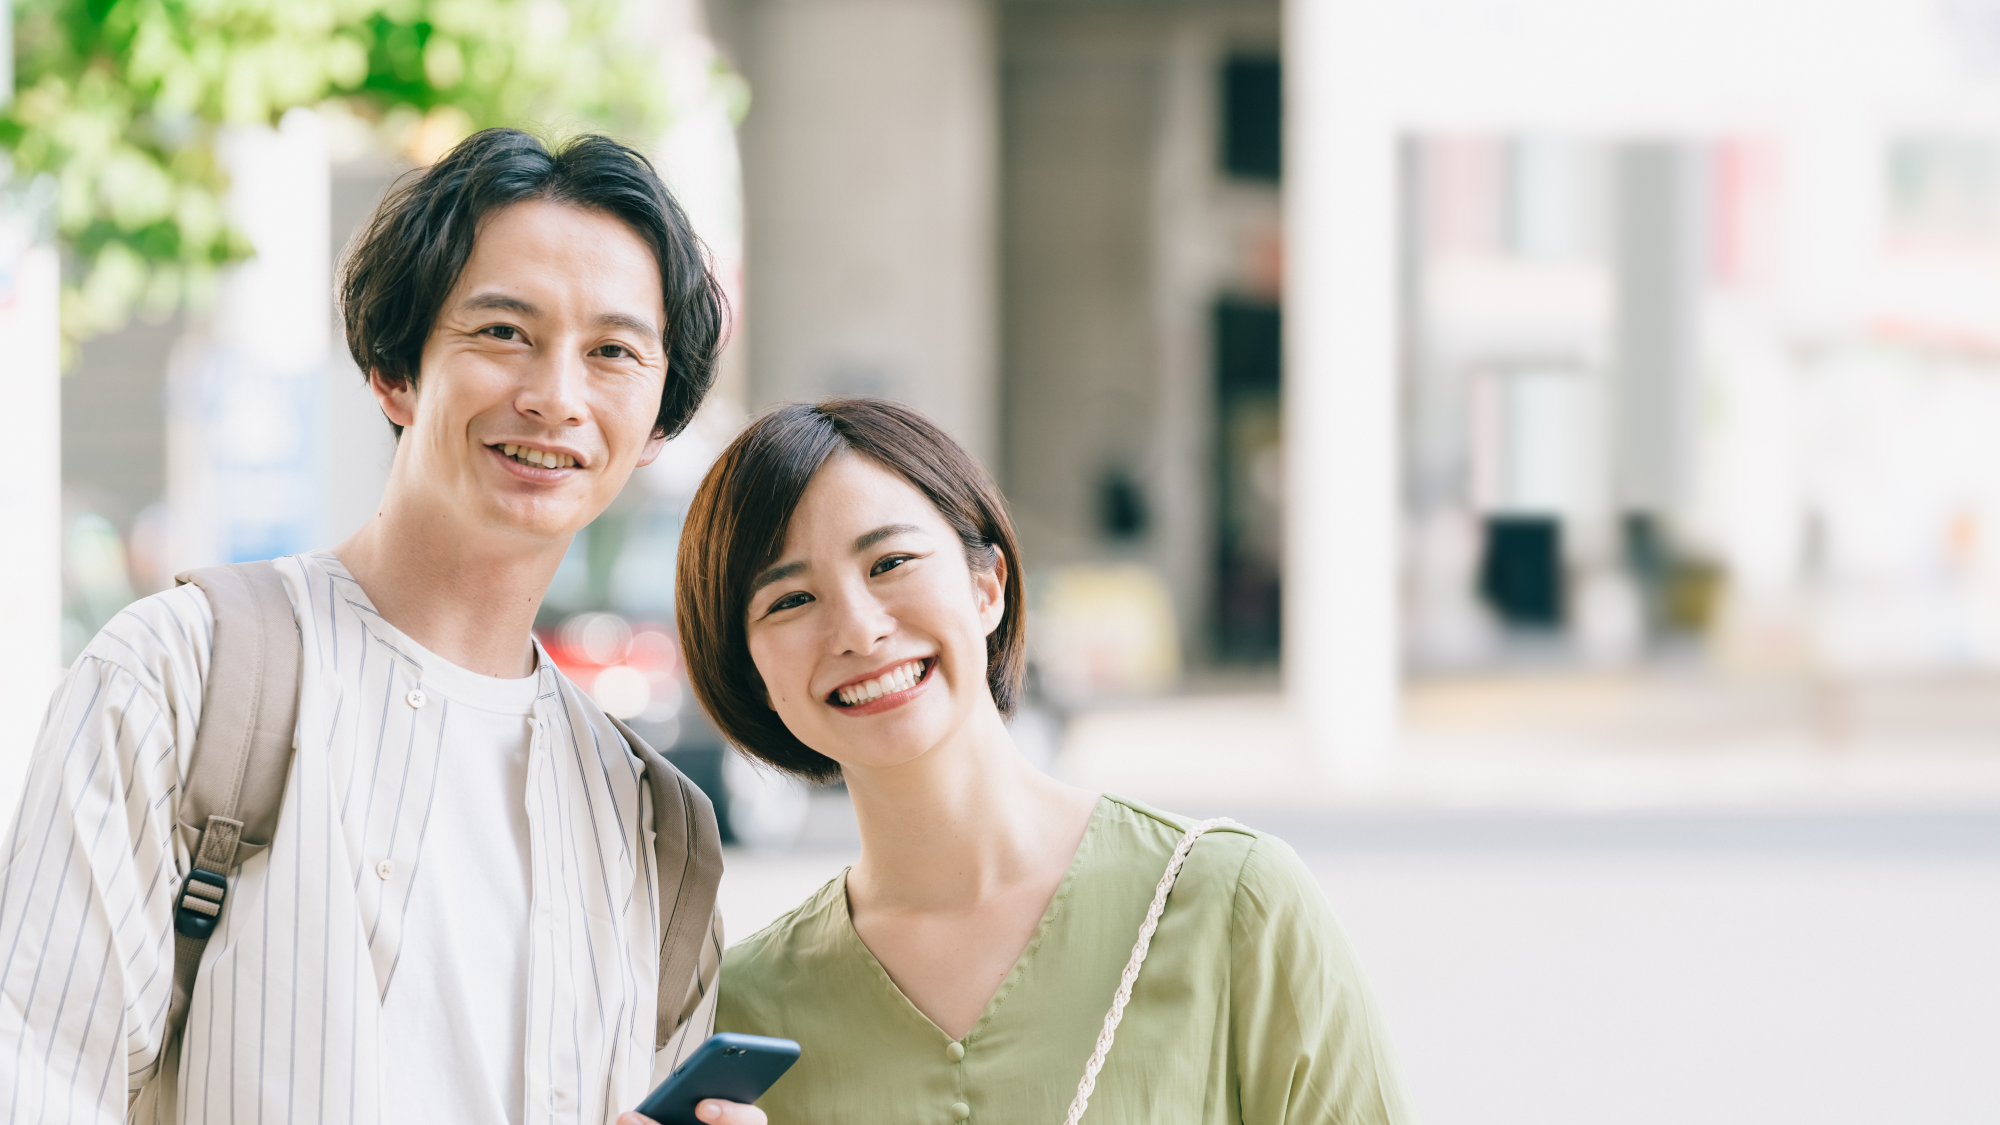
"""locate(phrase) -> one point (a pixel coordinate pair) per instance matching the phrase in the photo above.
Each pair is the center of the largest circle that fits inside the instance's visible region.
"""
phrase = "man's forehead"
(518, 245)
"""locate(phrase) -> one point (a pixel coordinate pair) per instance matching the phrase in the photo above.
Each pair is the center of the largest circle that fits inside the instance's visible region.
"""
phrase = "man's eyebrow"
(500, 301)
(776, 574)
(883, 532)
(631, 323)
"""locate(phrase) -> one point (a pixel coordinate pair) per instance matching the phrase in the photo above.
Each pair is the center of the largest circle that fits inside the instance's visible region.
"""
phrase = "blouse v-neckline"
(1023, 964)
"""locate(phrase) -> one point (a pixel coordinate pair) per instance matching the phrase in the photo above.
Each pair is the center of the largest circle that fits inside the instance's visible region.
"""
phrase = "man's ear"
(398, 400)
(990, 587)
(654, 445)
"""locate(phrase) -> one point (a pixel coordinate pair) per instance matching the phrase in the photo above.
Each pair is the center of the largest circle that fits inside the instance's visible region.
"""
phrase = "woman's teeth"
(894, 680)
(536, 457)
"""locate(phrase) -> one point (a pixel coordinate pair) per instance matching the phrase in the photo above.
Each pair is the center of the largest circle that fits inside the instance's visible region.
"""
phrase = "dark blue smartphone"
(735, 1068)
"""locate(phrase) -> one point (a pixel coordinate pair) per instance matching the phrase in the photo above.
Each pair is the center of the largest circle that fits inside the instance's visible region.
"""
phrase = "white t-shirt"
(454, 1022)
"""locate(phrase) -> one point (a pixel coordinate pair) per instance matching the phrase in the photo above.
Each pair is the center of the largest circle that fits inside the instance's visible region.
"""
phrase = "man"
(457, 918)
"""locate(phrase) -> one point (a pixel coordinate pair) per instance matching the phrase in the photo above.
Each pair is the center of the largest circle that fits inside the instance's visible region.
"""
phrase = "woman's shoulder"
(780, 961)
(1234, 856)
(1141, 827)
(796, 937)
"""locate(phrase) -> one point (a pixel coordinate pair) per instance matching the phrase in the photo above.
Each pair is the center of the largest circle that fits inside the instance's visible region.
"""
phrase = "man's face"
(541, 379)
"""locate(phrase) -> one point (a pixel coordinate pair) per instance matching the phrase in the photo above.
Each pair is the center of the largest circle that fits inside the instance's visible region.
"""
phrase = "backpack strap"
(688, 851)
(242, 753)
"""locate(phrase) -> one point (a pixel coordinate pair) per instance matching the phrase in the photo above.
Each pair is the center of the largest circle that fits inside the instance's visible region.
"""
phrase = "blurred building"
(1384, 338)
(1055, 227)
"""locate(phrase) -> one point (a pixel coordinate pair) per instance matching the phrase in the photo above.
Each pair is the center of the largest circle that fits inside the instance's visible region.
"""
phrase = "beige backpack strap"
(242, 754)
(688, 849)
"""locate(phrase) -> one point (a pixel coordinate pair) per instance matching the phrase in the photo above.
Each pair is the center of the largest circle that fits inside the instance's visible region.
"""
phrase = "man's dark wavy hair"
(398, 271)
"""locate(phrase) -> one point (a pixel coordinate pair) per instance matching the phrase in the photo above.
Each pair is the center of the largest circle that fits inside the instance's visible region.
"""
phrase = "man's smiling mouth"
(540, 459)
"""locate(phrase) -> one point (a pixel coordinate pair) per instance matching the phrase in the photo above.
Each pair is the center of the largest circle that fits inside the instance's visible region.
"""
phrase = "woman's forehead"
(851, 492)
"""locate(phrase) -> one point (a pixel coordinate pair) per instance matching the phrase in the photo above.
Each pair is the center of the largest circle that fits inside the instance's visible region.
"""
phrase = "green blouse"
(1250, 1007)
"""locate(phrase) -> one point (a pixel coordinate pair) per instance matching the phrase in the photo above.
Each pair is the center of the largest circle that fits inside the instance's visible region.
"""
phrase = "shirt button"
(415, 698)
(386, 869)
(960, 1111)
(954, 1051)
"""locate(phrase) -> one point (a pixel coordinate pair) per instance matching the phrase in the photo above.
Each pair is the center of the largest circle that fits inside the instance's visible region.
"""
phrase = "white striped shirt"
(284, 1023)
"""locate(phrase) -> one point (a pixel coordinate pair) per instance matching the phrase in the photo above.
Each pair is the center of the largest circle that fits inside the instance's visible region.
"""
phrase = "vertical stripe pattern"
(284, 1024)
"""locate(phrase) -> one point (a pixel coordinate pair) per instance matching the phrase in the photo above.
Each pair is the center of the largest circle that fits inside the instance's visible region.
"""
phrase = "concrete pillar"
(245, 435)
(1657, 253)
(1340, 416)
(31, 564)
(870, 174)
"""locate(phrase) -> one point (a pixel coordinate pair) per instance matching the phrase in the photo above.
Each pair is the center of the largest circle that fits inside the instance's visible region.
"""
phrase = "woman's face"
(870, 629)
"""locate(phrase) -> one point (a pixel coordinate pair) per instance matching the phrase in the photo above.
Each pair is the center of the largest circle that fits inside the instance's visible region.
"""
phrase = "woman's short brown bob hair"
(735, 529)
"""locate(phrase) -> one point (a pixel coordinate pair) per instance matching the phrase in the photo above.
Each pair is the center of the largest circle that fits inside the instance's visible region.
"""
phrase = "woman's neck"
(964, 822)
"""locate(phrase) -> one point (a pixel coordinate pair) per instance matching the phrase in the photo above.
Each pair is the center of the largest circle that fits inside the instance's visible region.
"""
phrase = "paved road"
(1628, 970)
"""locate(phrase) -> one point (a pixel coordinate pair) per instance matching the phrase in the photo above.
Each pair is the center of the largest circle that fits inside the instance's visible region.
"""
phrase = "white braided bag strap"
(1131, 975)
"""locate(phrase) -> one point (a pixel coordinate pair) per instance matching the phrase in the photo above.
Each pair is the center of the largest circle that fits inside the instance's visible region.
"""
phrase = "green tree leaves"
(121, 101)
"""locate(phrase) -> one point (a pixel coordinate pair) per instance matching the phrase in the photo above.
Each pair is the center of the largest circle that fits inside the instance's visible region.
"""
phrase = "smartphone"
(735, 1068)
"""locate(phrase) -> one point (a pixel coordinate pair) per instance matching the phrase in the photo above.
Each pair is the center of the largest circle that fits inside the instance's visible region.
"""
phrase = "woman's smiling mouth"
(885, 689)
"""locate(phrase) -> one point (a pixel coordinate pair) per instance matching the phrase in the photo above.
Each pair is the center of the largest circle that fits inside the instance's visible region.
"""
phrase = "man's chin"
(538, 520)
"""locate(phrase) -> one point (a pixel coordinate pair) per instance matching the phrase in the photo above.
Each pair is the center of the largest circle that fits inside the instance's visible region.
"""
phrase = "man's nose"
(554, 390)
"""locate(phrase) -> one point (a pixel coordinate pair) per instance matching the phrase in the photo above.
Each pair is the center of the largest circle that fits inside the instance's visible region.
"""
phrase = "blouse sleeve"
(1310, 1045)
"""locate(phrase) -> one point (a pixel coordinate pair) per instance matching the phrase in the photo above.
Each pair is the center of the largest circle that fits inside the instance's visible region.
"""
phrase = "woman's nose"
(861, 623)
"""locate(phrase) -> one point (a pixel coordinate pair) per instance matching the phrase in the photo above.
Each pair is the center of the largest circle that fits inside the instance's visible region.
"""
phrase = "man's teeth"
(894, 680)
(529, 456)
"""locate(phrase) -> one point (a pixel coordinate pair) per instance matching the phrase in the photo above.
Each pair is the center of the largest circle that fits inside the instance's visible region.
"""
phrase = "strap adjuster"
(200, 904)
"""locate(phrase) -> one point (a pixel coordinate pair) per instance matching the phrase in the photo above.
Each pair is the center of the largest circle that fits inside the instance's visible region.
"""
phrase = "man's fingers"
(715, 1111)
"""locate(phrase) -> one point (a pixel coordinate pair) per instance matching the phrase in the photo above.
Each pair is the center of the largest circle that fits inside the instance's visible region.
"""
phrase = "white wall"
(1341, 221)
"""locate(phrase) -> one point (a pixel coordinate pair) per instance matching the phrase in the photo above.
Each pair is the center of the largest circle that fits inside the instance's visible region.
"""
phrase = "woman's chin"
(899, 745)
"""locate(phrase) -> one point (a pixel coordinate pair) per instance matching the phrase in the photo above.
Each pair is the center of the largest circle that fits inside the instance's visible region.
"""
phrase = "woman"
(850, 603)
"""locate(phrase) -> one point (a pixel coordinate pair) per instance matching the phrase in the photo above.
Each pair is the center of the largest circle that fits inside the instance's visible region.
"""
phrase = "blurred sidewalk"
(1554, 742)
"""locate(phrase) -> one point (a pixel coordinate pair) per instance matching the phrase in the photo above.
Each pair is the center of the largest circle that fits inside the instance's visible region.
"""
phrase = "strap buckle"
(200, 905)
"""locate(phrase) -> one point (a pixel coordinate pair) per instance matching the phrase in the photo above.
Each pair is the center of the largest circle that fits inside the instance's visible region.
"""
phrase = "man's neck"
(465, 595)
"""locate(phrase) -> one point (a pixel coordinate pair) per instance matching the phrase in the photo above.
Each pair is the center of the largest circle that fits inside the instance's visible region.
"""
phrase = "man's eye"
(789, 601)
(888, 564)
(615, 351)
(504, 332)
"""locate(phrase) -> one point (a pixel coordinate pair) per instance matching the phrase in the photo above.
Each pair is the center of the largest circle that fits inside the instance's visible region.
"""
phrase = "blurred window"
(1248, 457)
(1252, 117)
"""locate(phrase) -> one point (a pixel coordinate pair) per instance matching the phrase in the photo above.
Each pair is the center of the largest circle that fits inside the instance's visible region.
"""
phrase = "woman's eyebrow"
(881, 533)
(777, 574)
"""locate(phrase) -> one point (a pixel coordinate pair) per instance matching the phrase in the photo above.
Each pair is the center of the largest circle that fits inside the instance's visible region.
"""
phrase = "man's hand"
(715, 1111)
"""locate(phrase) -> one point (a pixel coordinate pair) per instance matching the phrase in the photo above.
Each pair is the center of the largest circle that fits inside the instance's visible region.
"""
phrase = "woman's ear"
(989, 586)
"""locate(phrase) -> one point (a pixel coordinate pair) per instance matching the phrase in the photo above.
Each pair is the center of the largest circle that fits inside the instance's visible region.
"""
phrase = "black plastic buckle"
(200, 904)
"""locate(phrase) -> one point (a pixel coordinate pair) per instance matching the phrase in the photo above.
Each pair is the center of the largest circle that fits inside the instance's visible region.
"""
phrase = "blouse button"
(385, 870)
(955, 1051)
(960, 1111)
(415, 698)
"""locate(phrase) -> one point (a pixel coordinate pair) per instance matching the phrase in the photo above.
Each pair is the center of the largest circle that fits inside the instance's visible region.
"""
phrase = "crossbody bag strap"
(1138, 959)
(242, 754)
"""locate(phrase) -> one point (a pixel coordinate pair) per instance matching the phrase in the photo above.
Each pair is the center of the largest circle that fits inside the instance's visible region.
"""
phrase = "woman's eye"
(615, 351)
(504, 332)
(789, 601)
(888, 564)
